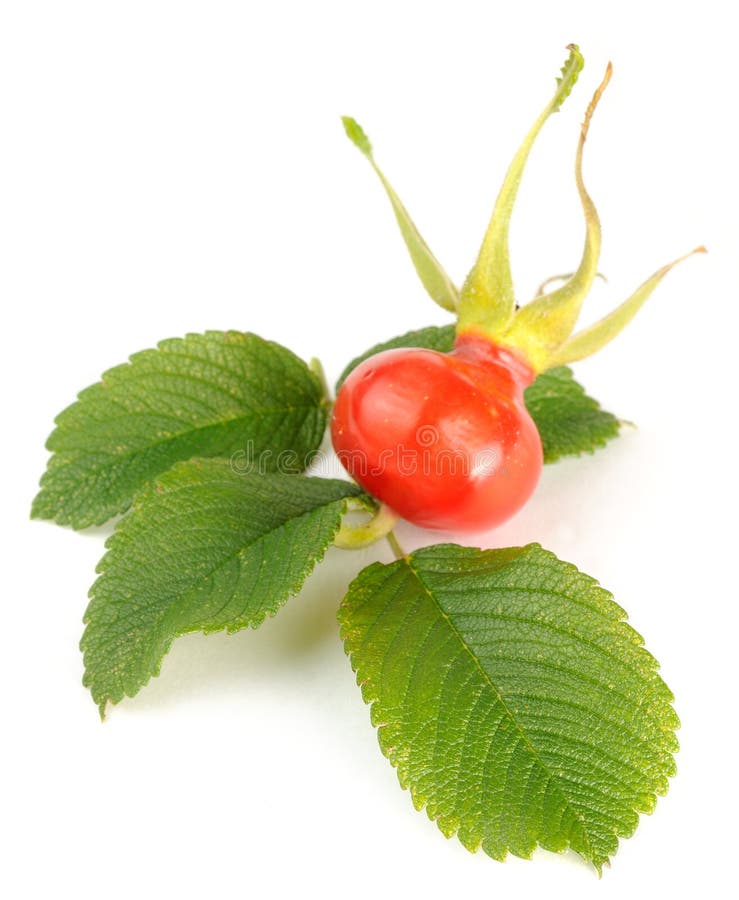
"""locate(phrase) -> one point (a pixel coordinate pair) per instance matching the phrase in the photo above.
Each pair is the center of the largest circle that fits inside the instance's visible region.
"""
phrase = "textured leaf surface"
(569, 421)
(211, 394)
(203, 549)
(515, 702)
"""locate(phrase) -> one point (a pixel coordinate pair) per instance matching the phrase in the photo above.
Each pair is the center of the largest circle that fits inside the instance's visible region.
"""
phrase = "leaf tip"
(356, 135)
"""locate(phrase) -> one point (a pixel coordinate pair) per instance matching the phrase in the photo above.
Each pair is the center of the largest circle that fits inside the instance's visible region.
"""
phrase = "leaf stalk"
(356, 537)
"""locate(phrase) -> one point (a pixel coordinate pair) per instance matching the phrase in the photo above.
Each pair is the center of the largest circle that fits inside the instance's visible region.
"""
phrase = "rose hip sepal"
(445, 440)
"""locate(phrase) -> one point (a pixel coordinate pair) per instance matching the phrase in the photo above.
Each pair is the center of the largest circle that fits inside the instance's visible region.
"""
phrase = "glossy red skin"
(443, 439)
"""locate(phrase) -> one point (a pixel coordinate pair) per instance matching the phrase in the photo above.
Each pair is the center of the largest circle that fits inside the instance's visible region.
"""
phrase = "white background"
(172, 167)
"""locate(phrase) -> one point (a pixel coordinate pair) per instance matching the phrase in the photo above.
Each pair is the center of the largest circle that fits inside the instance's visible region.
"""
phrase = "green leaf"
(513, 699)
(204, 548)
(438, 284)
(212, 394)
(569, 421)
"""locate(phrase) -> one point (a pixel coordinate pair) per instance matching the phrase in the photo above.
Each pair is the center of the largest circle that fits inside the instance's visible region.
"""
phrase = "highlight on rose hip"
(518, 706)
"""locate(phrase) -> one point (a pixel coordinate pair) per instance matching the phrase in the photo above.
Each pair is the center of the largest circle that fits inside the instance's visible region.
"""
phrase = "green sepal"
(438, 284)
(487, 302)
(542, 325)
(591, 340)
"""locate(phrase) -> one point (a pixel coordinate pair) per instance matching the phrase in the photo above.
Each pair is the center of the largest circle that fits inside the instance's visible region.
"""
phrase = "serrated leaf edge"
(230, 628)
(420, 802)
(109, 376)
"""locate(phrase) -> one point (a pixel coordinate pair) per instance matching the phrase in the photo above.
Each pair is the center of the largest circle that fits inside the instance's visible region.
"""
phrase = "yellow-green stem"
(395, 545)
(355, 537)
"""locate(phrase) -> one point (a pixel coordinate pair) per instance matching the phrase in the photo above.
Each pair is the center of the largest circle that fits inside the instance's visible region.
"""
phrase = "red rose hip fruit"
(443, 439)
